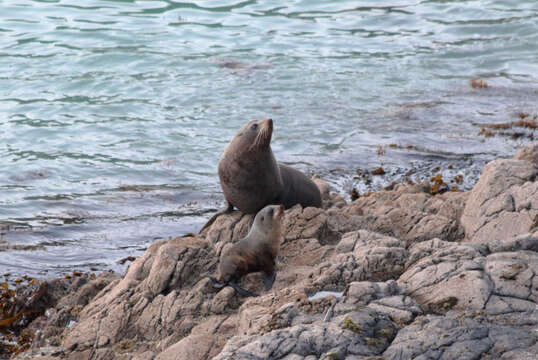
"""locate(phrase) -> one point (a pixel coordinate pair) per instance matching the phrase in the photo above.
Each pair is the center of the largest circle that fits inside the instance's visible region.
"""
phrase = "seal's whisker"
(263, 135)
(261, 138)
(255, 143)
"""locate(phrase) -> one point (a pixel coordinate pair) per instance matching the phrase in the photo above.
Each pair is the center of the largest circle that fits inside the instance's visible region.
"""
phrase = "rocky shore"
(396, 274)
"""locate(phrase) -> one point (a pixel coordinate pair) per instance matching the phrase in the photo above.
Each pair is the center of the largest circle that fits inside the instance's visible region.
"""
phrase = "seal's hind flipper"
(216, 284)
(240, 290)
(229, 208)
(268, 279)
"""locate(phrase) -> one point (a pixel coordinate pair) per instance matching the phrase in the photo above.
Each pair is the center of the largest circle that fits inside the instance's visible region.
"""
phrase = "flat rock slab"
(504, 202)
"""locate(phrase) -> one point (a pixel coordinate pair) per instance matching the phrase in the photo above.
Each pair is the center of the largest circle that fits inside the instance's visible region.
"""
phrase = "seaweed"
(378, 171)
(20, 304)
(478, 84)
(438, 186)
(529, 126)
(354, 194)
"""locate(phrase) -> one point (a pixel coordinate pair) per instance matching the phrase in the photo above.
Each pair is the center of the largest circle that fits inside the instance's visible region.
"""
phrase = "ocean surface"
(114, 114)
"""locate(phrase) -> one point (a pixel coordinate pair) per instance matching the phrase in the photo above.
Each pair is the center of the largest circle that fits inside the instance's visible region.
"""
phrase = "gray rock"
(451, 277)
(529, 153)
(405, 214)
(464, 276)
(373, 257)
(307, 223)
(146, 304)
(363, 333)
(458, 336)
(504, 202)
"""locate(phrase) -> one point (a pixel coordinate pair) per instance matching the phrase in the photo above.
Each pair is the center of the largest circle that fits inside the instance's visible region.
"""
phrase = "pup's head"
(269, 219)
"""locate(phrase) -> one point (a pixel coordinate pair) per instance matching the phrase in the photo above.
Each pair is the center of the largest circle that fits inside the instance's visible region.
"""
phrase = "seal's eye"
(254, 126)
(271, 211)
(261, 218)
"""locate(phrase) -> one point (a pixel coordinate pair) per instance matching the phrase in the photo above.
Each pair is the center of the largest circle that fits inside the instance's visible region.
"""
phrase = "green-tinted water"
(113, 114)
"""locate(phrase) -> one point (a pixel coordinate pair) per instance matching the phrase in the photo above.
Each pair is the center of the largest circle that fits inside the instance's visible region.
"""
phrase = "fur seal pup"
(255, 252)
(251, 178)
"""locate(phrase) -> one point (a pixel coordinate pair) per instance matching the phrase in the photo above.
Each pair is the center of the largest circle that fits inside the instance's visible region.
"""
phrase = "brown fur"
(257, 251)
(251, 178)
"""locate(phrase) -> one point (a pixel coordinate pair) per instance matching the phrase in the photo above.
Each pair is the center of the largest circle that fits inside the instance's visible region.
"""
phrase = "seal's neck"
(256, 229)
(264, 231)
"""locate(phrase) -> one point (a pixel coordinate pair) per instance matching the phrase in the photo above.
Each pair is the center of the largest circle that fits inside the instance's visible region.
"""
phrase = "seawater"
(113, 114)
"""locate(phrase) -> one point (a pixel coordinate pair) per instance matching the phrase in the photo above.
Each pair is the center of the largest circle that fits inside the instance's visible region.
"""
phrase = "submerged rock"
(404, 274)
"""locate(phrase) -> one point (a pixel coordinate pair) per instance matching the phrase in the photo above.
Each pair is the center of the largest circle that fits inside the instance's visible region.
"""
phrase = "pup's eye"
(254, 126)
(271, 211)
(262, 218)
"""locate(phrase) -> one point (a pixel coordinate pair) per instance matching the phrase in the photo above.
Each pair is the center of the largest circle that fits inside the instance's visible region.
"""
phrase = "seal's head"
(268, 220)
(254, 136)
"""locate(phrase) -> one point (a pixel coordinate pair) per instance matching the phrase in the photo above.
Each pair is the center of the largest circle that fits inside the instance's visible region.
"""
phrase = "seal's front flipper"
(216, 284)
(268, 279)
(240, 290)
(229, 208)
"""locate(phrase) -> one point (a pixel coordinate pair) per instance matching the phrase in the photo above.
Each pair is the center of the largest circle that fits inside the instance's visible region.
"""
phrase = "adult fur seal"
(251, 178)
(255, 252)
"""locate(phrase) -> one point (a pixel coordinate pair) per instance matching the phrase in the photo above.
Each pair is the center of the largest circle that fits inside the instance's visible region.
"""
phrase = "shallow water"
(113, 114)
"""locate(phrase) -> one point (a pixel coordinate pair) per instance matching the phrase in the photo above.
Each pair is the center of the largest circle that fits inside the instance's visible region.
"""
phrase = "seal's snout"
(268, 123)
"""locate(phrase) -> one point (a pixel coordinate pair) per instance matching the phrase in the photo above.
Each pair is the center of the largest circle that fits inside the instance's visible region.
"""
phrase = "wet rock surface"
(398, 274)
(42, 310)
